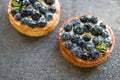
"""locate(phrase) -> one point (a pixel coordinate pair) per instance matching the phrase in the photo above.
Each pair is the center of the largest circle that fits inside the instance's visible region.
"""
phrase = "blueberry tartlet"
(34, 18)
(86, 41)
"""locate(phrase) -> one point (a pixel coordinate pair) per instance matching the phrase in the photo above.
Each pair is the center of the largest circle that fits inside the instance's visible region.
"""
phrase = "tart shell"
(80, 62)
(35, 32)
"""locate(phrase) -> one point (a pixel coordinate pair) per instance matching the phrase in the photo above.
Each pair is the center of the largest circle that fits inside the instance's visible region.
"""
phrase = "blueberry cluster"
(86, 38)
(32, 12)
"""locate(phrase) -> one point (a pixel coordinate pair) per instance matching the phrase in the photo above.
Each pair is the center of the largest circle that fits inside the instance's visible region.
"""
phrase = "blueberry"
(43, 9)
(49, 16)
(25, 21)
(18, 16)
(89, 46)
(97, 40)
(81, 43)
(26, 2)
(84, 19)
(76, 51)
(24, 12)
(94, 19)
(42, 22)
(96, 30)
(68, 44)
(52, 9)
(37, 5)
(105, 34)
(94, 54)
(14, 12)
(86, 37)
(29, 11)
(78, 29)
(108, 41)
(103, 25)
(36, 16)
(75, 22)
(33, 1)
(49, 2)
(68, 27)
(85, 56)
(66, 36)
(75, 38)
(88, 27)
(32, 24)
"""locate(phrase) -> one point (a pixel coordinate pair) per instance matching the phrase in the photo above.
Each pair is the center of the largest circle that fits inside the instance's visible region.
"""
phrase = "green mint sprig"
(101, 47)
(17, 6)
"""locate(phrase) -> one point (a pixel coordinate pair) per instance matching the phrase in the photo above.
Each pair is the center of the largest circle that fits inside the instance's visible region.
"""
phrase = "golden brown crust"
(35, 32)
(77, 61)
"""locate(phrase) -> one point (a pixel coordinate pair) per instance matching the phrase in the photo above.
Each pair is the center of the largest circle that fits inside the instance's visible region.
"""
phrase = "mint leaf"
(23, 6)
(101, 47)
(15, 8)
(15, 4)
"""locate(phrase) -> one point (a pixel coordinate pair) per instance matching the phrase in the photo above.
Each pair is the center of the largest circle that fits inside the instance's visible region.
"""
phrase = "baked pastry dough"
(75, 55)
(37, 31)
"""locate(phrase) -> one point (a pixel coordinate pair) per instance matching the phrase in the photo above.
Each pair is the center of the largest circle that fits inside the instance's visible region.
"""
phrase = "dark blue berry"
(81, 43)
(105, 34)
(25, 2)
(66, 36)
(75, 22)
(24, 21)
(85, 56)
(89, 46)
(49, 16)
(94, 19)
(33, 1)
(68, 44)
(75, 38)
(14, 12)
(78, 29)
(108, 41)
(96, 30)
(84, 19)
(52, 9)
(37, 5)
(43, 9)
(97, 40)
(68, 27)
(32, 24)
(18, 16)
(76, 51)
(50, 2)
(36, 16)
(42, 22)
(29, 11)
(94, 54)
(103, 25)
(24, 12)
(88, 27)
(86, 37)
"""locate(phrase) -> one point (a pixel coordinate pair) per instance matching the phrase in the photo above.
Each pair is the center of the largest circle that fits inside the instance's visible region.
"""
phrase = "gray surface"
(24, 58)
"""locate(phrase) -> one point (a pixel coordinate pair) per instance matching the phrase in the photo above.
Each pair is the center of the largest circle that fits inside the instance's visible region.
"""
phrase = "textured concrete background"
(24, 58)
